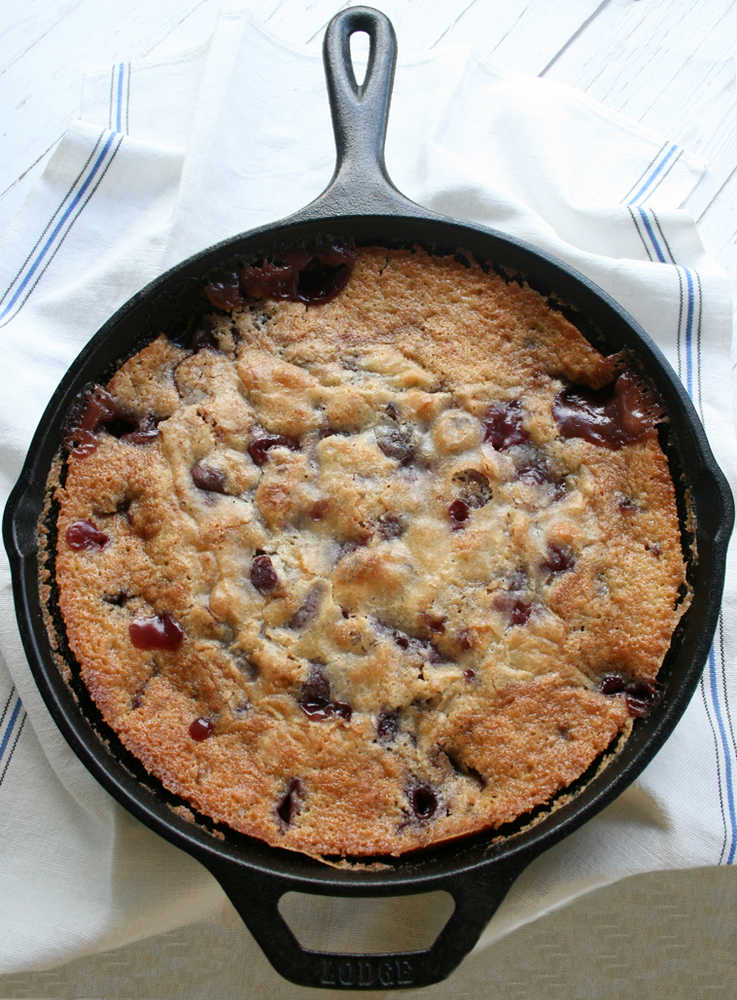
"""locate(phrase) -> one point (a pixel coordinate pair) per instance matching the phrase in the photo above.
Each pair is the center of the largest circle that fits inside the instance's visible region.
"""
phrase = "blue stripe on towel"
(686, 322)
(43, 253)
(653, 175)
(9, 728)
(38, 260)
(728, 777)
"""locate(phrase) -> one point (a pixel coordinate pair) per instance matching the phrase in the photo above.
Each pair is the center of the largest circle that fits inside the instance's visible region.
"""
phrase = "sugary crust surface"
(406, 678)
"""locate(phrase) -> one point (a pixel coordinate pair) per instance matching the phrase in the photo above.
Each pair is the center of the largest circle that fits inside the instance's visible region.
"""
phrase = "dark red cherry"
(514, 606)
(268, 280)
(203, 336)
(263, 575)
(201, 728)
(100, 409)
(320, 281)
(315, 700)
(612, 684)
(291, 802)
(206, 478)
(147, 430)
(503, 425)
(465, 639)
(224, 291)
(424, 801)
(310, 276)
(84, 535)
(640, 697)
(520, 613)
(422, 648)
(610, 417)
(157, 632)
(435, 623)
(94, 409)
(559, 559)
(259, 449)
(458, 513)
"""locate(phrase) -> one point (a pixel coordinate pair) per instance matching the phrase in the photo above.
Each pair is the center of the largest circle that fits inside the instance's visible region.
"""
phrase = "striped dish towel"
(168, 158)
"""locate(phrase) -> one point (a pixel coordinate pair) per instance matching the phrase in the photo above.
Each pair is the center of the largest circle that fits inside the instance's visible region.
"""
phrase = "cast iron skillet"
(362, 204)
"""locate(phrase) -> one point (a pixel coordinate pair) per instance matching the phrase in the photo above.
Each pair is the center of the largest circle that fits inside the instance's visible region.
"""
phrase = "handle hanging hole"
(370, 925)
(360, 46)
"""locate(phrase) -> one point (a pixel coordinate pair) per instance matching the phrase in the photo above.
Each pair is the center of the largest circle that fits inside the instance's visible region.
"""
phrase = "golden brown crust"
(397, 675)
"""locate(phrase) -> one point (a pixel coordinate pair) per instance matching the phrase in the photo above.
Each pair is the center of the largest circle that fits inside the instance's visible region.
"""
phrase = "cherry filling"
(640, 698)
(101, 412)
(315, 700)
(84, 535)
(473, 488)
(503, 425)
(511, 604)
(559, 559)
(397, 443)
(290, 804)
(263, 575)
(611, 417)
(387, 725)
(147, 430)
(422, 648)
(208, 479)
(458, 513)
(158, 632)
(96, 408)
(259, 449)
(434, 623)
(310, 276)
(201, 728)
(640, 695)
(224, 291)
(309, 607)
(424, 801)
(203, 337)
(533, 468)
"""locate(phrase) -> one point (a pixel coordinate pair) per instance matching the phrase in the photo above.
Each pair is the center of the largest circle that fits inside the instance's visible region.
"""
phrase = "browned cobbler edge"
(372, 574)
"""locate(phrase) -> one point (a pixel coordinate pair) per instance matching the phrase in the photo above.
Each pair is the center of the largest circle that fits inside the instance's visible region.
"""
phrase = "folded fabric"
(168, 158)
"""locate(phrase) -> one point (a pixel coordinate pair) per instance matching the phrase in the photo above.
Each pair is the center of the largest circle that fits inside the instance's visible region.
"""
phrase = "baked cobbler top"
(380, 560)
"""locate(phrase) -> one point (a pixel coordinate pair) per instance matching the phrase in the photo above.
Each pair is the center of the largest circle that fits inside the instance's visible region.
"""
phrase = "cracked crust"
(393, 675)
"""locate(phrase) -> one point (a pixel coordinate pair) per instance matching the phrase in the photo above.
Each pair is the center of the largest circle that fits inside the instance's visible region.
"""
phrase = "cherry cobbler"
(387, 554)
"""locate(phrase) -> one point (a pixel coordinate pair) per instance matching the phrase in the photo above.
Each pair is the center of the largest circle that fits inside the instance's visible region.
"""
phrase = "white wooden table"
(668, 64)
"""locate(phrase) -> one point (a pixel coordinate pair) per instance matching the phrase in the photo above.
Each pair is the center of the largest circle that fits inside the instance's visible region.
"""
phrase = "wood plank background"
(667, 64)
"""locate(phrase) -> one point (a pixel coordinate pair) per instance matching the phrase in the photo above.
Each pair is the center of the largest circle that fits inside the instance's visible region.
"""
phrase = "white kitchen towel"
(168, 158)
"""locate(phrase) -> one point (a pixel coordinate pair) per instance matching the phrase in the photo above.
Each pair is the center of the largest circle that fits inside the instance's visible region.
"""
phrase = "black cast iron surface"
(361, 204)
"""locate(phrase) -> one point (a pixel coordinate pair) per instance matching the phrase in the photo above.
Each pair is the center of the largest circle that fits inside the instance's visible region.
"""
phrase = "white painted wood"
(666, 63)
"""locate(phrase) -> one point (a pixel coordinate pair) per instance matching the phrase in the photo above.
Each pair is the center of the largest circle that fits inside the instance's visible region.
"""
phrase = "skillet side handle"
(360, 184)
(256, 897)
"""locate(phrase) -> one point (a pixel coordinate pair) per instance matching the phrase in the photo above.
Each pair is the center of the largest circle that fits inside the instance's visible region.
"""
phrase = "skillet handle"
(256, 897)
(360, 184)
